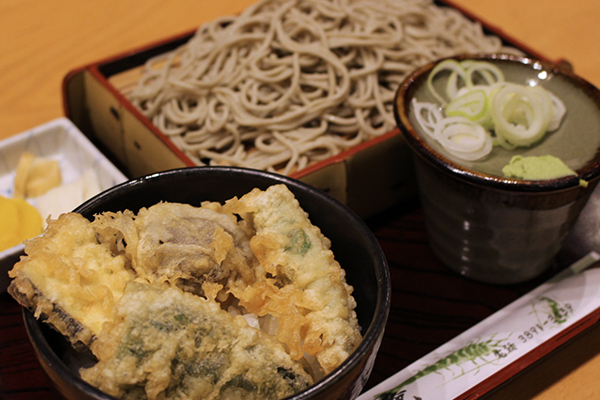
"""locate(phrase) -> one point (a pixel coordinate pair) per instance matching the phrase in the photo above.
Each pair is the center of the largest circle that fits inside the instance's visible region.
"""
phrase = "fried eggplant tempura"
(70, 279)
(299, 281)
(166, 343)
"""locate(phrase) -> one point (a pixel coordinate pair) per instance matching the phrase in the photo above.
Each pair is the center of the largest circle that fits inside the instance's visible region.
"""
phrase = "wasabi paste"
(536, 168)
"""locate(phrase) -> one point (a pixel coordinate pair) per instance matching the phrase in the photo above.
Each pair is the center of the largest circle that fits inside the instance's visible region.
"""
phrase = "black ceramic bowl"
(353, 244)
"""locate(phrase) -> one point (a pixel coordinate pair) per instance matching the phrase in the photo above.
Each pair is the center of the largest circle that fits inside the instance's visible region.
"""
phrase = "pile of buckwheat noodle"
(290, 82)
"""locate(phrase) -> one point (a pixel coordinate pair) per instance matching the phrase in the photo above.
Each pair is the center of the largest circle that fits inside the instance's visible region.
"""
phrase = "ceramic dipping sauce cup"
(482, 224)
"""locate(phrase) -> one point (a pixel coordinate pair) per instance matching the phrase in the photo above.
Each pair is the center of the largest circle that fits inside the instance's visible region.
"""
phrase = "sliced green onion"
(458, 135)
(454, 67)
(463, 138)
(559, 111)
(521, 114)
(472, 104)
(428, 115)
(479, 101)
(489, 72)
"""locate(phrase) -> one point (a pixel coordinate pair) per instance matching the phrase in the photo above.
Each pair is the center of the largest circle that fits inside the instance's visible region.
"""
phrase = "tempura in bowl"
(240, 299)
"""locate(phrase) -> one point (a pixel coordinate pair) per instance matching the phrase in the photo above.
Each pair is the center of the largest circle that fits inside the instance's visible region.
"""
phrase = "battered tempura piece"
(166, 343)
(299, 281)
(181, 244)
(70, 279)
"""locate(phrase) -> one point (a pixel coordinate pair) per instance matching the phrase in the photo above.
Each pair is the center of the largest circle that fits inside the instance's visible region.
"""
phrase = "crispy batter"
(301, 282)
(180, 243)
(168, 343)
(70, 278)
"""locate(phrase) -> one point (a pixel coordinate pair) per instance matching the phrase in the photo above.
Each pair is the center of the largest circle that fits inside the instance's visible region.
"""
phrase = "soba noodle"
(291, 82)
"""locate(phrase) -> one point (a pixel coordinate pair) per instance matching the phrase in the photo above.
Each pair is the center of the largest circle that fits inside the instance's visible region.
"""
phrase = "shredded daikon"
(480, 109)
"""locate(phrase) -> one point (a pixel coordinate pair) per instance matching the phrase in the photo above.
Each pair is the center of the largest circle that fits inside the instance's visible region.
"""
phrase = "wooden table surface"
(40, 41)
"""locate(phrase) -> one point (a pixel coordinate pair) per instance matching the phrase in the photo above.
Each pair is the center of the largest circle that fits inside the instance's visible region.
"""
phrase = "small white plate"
(58, 140)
